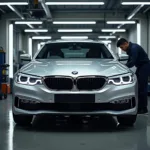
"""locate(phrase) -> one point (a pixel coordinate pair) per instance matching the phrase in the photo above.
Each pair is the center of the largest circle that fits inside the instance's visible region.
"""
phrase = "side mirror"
(123, 57)
(25, 57)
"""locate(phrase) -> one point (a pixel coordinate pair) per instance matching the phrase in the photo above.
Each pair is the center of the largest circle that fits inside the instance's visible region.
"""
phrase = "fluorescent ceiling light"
(113, 30)
(14, 3)
(36, 30)
(42, 43)
(30, 47)
(74, 22)
(121, 22)
(41, 37)
(75, 30)
(38, 46)
(11, 71)
(135, 3)
(106, 41)
(28, 22)
(74, 37)
(139, 33)
(107, 37)
(75, 3)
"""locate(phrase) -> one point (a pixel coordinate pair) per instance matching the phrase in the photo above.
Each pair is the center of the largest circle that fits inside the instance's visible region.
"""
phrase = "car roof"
(66, 41)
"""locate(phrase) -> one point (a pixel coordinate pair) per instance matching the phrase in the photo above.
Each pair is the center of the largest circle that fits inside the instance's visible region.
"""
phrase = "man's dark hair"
(121, 41)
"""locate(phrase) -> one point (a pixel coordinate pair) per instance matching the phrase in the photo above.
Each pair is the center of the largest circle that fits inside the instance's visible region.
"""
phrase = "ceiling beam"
(146, 10)
(46, 9)
(134, 12)
(2, 11)
(65, 16)
(89, 16)
(14, 9)
(93, 34)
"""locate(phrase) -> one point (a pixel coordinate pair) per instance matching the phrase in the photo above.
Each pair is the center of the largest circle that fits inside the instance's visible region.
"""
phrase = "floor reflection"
(72, 134)
(10, 131)
(48, 133)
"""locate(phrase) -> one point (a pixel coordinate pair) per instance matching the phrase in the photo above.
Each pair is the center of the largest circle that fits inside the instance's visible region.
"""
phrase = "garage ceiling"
(111, 10)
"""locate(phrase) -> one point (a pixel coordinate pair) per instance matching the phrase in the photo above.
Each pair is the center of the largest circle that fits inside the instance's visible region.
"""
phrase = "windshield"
(74, 50)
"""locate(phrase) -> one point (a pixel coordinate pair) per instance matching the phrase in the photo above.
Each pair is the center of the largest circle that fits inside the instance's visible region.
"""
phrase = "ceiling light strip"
(135, 3)
(74, 37)
(106, 37)
(121, 22)
(74, 22)
(36, 30)
(14, 3)
(113, 30)
(75, 30)
(28, 22)
(74, 3)
(41, 37)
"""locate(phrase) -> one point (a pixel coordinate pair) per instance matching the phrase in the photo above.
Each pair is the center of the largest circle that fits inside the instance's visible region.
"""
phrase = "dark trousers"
(142, 75)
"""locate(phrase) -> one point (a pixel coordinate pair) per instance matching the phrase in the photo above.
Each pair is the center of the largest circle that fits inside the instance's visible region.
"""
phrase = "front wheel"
(22, 120)
(128, 120)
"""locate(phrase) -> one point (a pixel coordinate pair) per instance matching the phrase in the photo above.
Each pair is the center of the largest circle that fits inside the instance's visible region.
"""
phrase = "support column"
(30, 46)
(144, 33)
(148, 35)
(25, 43)
(11, 50)
(4, 37)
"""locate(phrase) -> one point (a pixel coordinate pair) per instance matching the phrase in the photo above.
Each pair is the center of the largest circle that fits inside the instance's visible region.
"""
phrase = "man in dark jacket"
(139, 59)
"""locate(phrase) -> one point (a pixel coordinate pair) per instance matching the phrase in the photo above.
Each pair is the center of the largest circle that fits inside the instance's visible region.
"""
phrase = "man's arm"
(133, 58)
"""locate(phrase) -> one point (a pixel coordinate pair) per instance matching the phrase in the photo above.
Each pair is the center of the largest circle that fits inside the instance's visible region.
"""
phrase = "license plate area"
(74, 98)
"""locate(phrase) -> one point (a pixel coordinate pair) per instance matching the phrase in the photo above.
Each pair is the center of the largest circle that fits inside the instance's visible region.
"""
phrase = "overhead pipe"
(46, 9)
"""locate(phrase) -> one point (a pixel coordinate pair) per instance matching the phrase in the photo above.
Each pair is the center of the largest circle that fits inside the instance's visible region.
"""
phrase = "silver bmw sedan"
(75, 78)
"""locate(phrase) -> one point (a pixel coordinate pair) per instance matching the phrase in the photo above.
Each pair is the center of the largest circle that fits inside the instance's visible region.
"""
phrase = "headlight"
(122, 80)
(28, 80)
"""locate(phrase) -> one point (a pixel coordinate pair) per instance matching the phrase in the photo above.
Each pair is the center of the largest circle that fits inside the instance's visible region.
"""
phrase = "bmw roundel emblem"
(74, 72)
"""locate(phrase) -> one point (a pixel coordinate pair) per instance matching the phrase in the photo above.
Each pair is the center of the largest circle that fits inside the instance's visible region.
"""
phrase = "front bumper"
(108, 101)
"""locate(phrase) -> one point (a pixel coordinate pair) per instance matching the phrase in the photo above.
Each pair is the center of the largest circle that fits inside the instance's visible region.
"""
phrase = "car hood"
(66, 67)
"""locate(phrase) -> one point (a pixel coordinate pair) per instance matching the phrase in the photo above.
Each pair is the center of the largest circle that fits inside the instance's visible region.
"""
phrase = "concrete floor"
(96, 135)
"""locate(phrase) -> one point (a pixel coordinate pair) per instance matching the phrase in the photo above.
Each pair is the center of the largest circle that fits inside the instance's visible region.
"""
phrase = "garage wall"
(132, 34)
(144, 33)
(148, 40)
(24, 42)
(35, 46)
(3, 33)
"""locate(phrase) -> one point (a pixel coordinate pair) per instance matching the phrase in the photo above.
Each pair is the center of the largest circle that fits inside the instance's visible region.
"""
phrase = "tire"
(127, 120)
(22, 120)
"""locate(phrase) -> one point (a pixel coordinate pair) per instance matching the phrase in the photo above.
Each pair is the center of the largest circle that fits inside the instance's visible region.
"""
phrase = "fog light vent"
(24, 101)
(123, 101)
